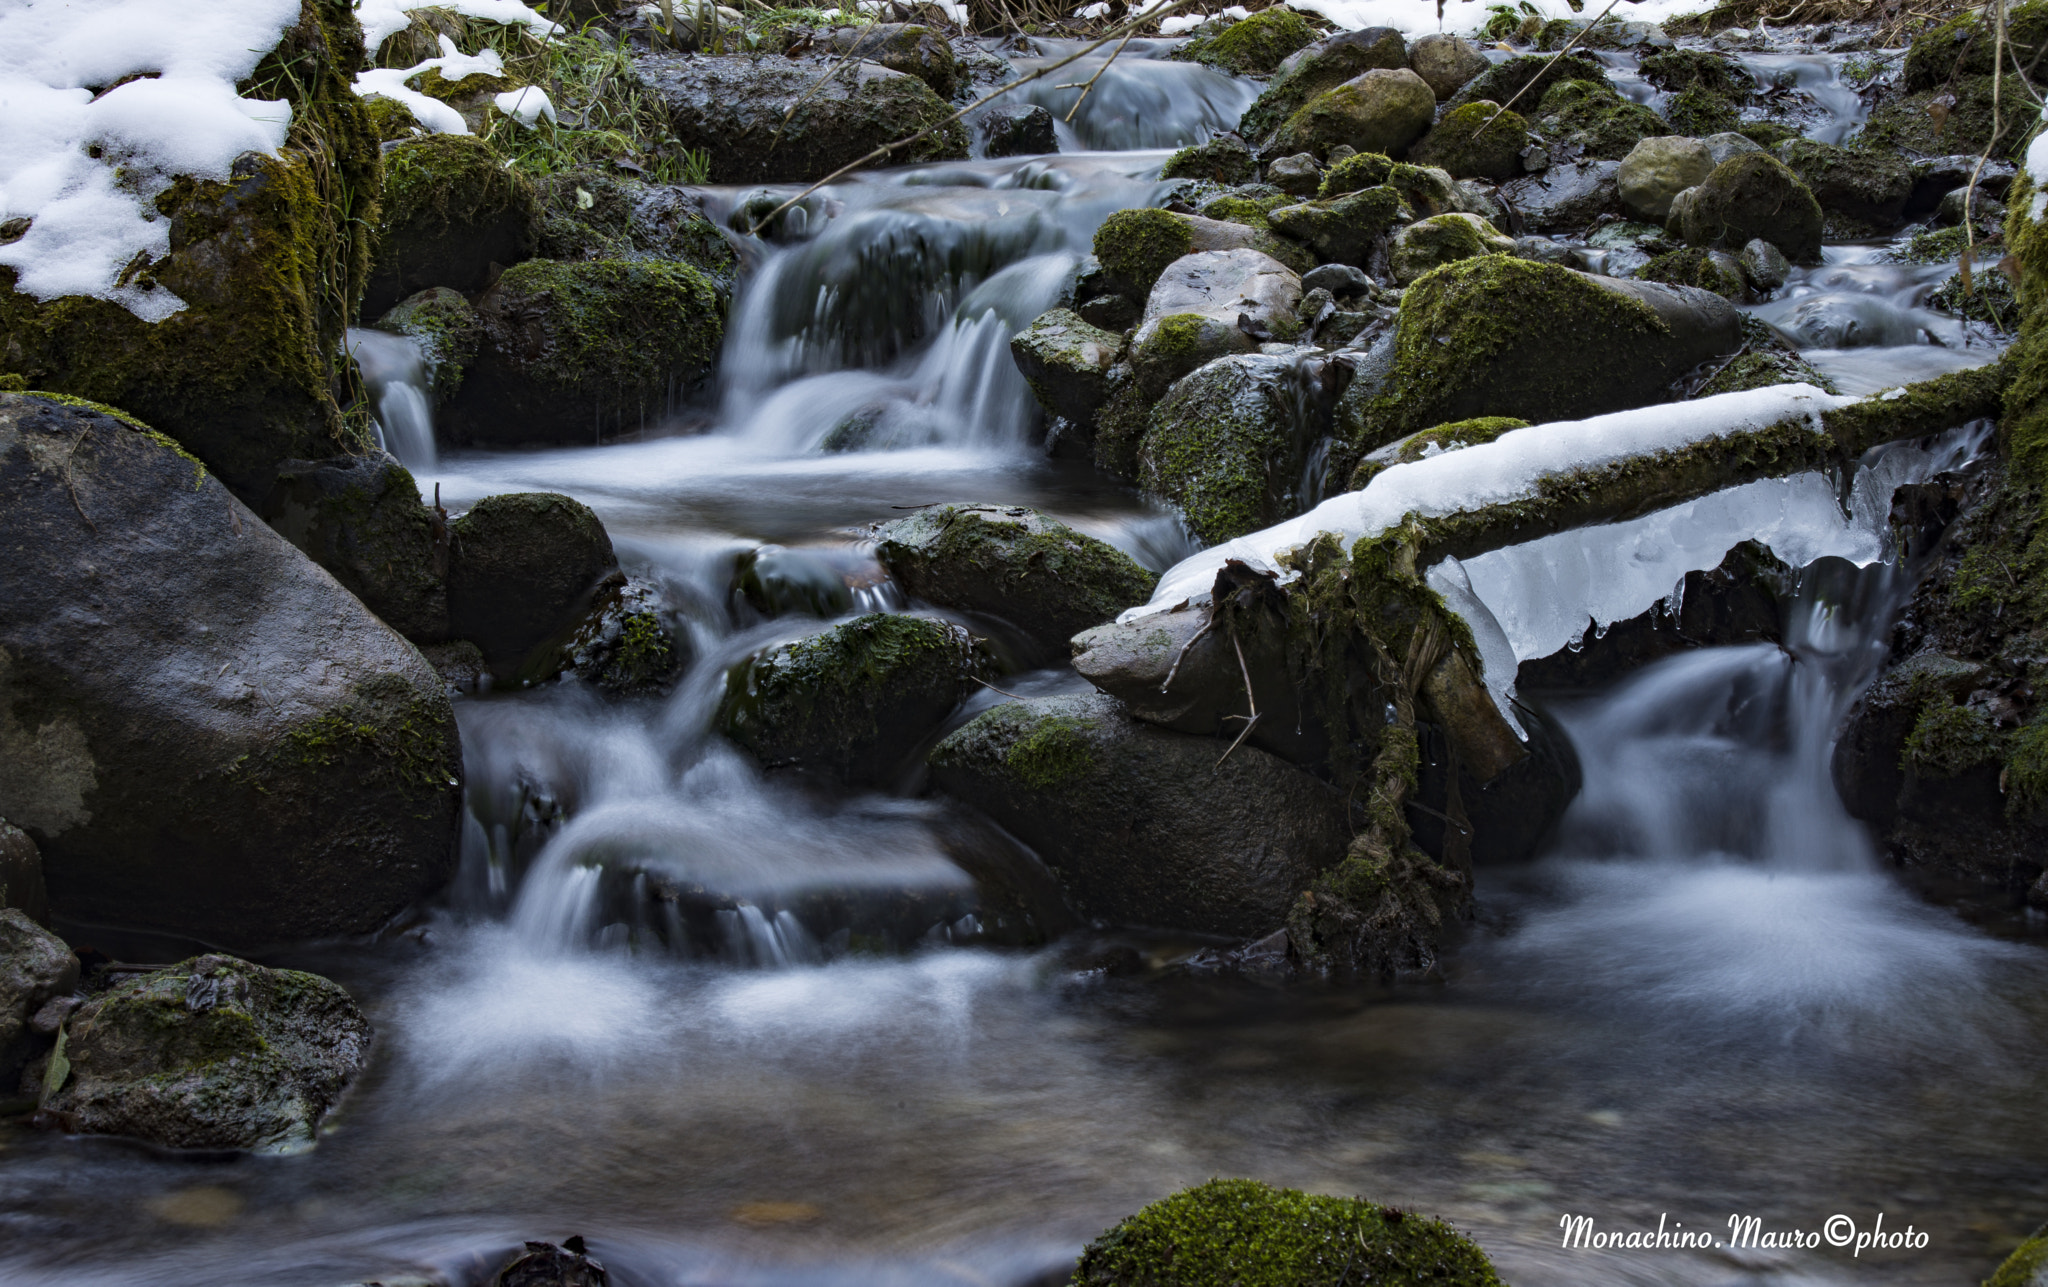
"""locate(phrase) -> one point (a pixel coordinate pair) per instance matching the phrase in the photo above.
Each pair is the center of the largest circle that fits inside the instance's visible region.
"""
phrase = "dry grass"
(1897, 21)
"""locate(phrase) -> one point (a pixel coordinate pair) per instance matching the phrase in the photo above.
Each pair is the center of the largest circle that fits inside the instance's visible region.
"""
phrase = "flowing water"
(1709, 999)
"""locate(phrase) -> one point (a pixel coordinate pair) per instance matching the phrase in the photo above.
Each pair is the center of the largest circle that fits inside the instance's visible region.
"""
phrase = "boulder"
(21, 874)
(1714, 270)
(574, 351)
(445, 326)
(1210, 304)
(1018, 130)
(210, 1053)
(1446, 63)
(1528, 78)
(1298, 175)
(1228, 444)
(1253, 46)
(1764, 264)
(1357, 172)
(1565, 198)
(523, 569)
(1658, 169)
(1588, 119)
(543, 1264)
(592, 213)
(452, 214)
(1727, 146)
(854, 701)
(1066, 362)
(910, 48)
(201, 730)
(35, 969)
(1677, 70)
(738, 110)
(1344, 229)
(1867, 185)
(1322, 66)
(1972, 115)
(1700, 114)
(1224, 159)
(1476, 141)
(1014, 564)
(1135, 246)
(1144, 826)
(1752, 196)
(1380, 111)
(1443, 239)
(1937, 176)
(360, 517)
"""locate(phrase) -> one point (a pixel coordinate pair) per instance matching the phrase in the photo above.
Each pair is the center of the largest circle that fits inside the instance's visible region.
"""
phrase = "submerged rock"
(1143, 826)
(543, 1264)
(450, 212)
(775, 581)
(210, 1053)
(201, 730)
(360, 517)
(1380, 111)
(523, 569)
(445, 326)
(1014, 564)
(1565, 198)
(1224, 159)
(855, 700)
(1018, 131)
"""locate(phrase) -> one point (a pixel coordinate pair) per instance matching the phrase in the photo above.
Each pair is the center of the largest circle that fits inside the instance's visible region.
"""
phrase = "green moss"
(1677, 70)
(831, 679)
(2025, 1266)
(1120, 427)
(1948, 739)
(1293, 88)
(1943, 245)
(1053, 753)
(2025, 779)
(1447, 437)
(1355, 173)
(619, 330)
(400, 731)
(1219, 450)
(1761, 370)
(1699, 113)
(445, 181)
(1596, 119)
(1135, 246)
(1476, 141)
(1530, 76)
(1253, 46)
(1222, 160)
(1695, 266)
(1245, 210)
(1247, 1234)
(1988, 298)
(1923, 122)
(392, 119)
(1965, 47)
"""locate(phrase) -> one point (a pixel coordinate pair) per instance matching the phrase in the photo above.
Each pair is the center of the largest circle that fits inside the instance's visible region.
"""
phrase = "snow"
(1418, 17)
(2037, 172)
(527, 105)
(92, 216)
(385, 18)
(435, 115)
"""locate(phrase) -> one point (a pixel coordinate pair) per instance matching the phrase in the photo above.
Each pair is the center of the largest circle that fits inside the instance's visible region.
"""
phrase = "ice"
(384, 18)
(2037, 172)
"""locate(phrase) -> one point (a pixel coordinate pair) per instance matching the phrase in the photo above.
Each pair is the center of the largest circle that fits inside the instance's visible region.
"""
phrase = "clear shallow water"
(1707, 1000)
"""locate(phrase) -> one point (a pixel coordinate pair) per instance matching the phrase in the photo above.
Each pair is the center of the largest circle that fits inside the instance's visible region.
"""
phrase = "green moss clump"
(1221, 448)
(2026, 770)
(1988, 299)
(1248, 1234)
(1120, 427)
(1923, 122)
(1696, 266)
(591, 214)
(1248, 211)
(1677, 70)
(1965, 47)
(1943, 245)
(1697, 112)
(392, 119)
(1292, 89)
(2025, 1266)
(1053, 753)
(1766, 134)
(1253, 46)
(1595, 118)
(1948, 739)
(1530, 76)
(1223, 160)
(1355, 173)
(401, 732)
(1135, 246)
(1476, 141)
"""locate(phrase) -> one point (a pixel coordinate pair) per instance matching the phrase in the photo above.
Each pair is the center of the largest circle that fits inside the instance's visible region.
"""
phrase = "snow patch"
(2037, 172)
(382, 19)
(453, 64)
(527, 105)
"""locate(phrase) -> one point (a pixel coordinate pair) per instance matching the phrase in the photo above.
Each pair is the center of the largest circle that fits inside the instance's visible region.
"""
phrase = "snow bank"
(1418, 17)
(384, 18)
(2037, 171)
(86, 170)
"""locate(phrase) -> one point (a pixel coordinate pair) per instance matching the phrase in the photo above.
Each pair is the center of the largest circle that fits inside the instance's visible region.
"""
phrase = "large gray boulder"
(1658, 169)
(1211, 304)
(1322, 66)
(360, 517)
(1014, 564)
(211, 1053)
(739, 109)
(201, 730)
(1066, 361)
(1381, 111)
(1144, 826)
(1446, 62)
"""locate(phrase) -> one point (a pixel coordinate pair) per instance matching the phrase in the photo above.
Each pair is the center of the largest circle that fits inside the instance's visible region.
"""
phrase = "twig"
(1005, 692)
(1970, 193)
(1181, 656)
(1516, 97)
(1152, 14)
(1083, 95)
(1249, 700)
(72, 487)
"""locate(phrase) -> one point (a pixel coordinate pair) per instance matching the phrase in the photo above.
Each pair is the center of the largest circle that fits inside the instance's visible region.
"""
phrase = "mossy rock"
(210, 1053)
(523, 569)
(1476, 141)
(361, 518)
(445, 326)
(1014, 564)
(1766, 134)
(1135, 246)
(1432, 442)
(1594, 118)
(1380, 111)
(271, 264)
(1225, 160)
(2027, 1266)
(1919, 122)
(1965, 46)
(1531, 76)
(1442, 239)
(392, 119)
(1698, 113)
(1344, 229)
(853, 701)
(1253, 46)
(1355, 173)
(911, 48)
(1713, 270)
(1066, 362)
(1752, 196)
(1227, 444)
(1677, 70)
(1253, 1235)
(574, 351)
(1249, 211)
(1988, 298)
(1326, 65)
(589, 214)
(1865, 184)
(451, 210)
(1941, 246)
(36, 967)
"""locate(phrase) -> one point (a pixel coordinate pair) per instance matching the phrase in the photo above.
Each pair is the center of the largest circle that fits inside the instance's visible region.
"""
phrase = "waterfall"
(397, 378)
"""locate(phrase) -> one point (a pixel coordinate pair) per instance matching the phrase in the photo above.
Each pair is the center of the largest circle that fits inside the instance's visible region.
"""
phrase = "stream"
(1709, 999)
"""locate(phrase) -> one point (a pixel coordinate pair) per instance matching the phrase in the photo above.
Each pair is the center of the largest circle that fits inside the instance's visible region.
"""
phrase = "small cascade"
(1819, 77)
(1138, 98)
(397, 378)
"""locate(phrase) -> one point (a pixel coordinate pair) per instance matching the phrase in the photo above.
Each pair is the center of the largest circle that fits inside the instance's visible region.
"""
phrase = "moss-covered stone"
(911, 48)
(1696, 112)
(1356, 172)
(1592, 117)
(1224, 160)
(855, 700)
(1943, 245)
(1135, 246)
(1442, 239)
(1342, 230)
(1752, 196)
(361, 519)
(1327, 65)
(1432, 442)
(589, 214)
(1530, 76)
(1955, 119)
(1965, 46)
(523, 569)
(1380, 111)
(1249, 211)
(391, 119)
(1869, 185)
(1712, 270)
(451, 210)
(1015, 564)
(1227, 444)
(1476, 141)
(1765, 360)
(1067, 363)
(1253, 46)
(1986, 296)
(445, 326)
(2025, 1266)
(575, 351)
(1677, 70)
(1248, 1234)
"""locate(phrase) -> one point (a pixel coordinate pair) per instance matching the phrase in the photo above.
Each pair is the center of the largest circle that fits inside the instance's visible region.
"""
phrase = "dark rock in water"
(1014, 564)
(1144, 826)
(1749, 196)
(210, 1053)
(1066, 361)
(543, 1264)
(1936, 177)
(1868, 185)
(1564, 198)
(450, 211)
(523, 568)
(1224, 159)
(776, 582)
(853, 701)
(601, 214)
(1018, 131)
(1228, 443)
(21, 874)
(627, 642)
(909, 48)
(739, 111)
(573, 352)
(1322, 66)
(361, 518)
(448, 332)
(1513, 813)
(1344, 229)
(201, 730)
(35, 970)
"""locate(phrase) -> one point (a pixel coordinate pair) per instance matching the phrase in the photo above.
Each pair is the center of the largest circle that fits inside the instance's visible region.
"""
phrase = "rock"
(734, 109)
(1727, 146)
(1143, 826)
(1380, 111)
(1753, 196)
(523, 569)
(35, 969)
(1443, 239)
(211, 1053)
(909, 48)
(1658, 169)
(1015, 130)
(1357, 172)
(1210, 304)
(1954, 118)
(315, 781)
(268, 262)
(1431, 442)
(1342, 230)
(1528, 78)
(1446, 62)
(1014, 564)
(853, 701)
(776, 582)
(1863, 184)
(1936, 177)
(1714, 270)
(1565, 198)
(1322, 66)
(1135, 246)
(1228, 443)
(1588, 119)
(627, 642)
(1701, 114)
(451, 213)
(1765, 264)
(1297, 175)
(543, 1264)
(1340, 280)
(1677, 70)
(1253, 46)
(1231, 1231)
(1067, 362)
(1969, 203)
(21, 876)
(1502, 336)
(448, 332)
(1476, 141)
(2028, 1262)
(1224, 159)
(360, 517)
(573, 351)
(588, 213)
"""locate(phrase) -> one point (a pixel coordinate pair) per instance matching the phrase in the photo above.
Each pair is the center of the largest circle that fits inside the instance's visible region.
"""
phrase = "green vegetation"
(1355, 173)
(605, 114)
(1135, 246)
(1054, 752)
(1253, 46)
